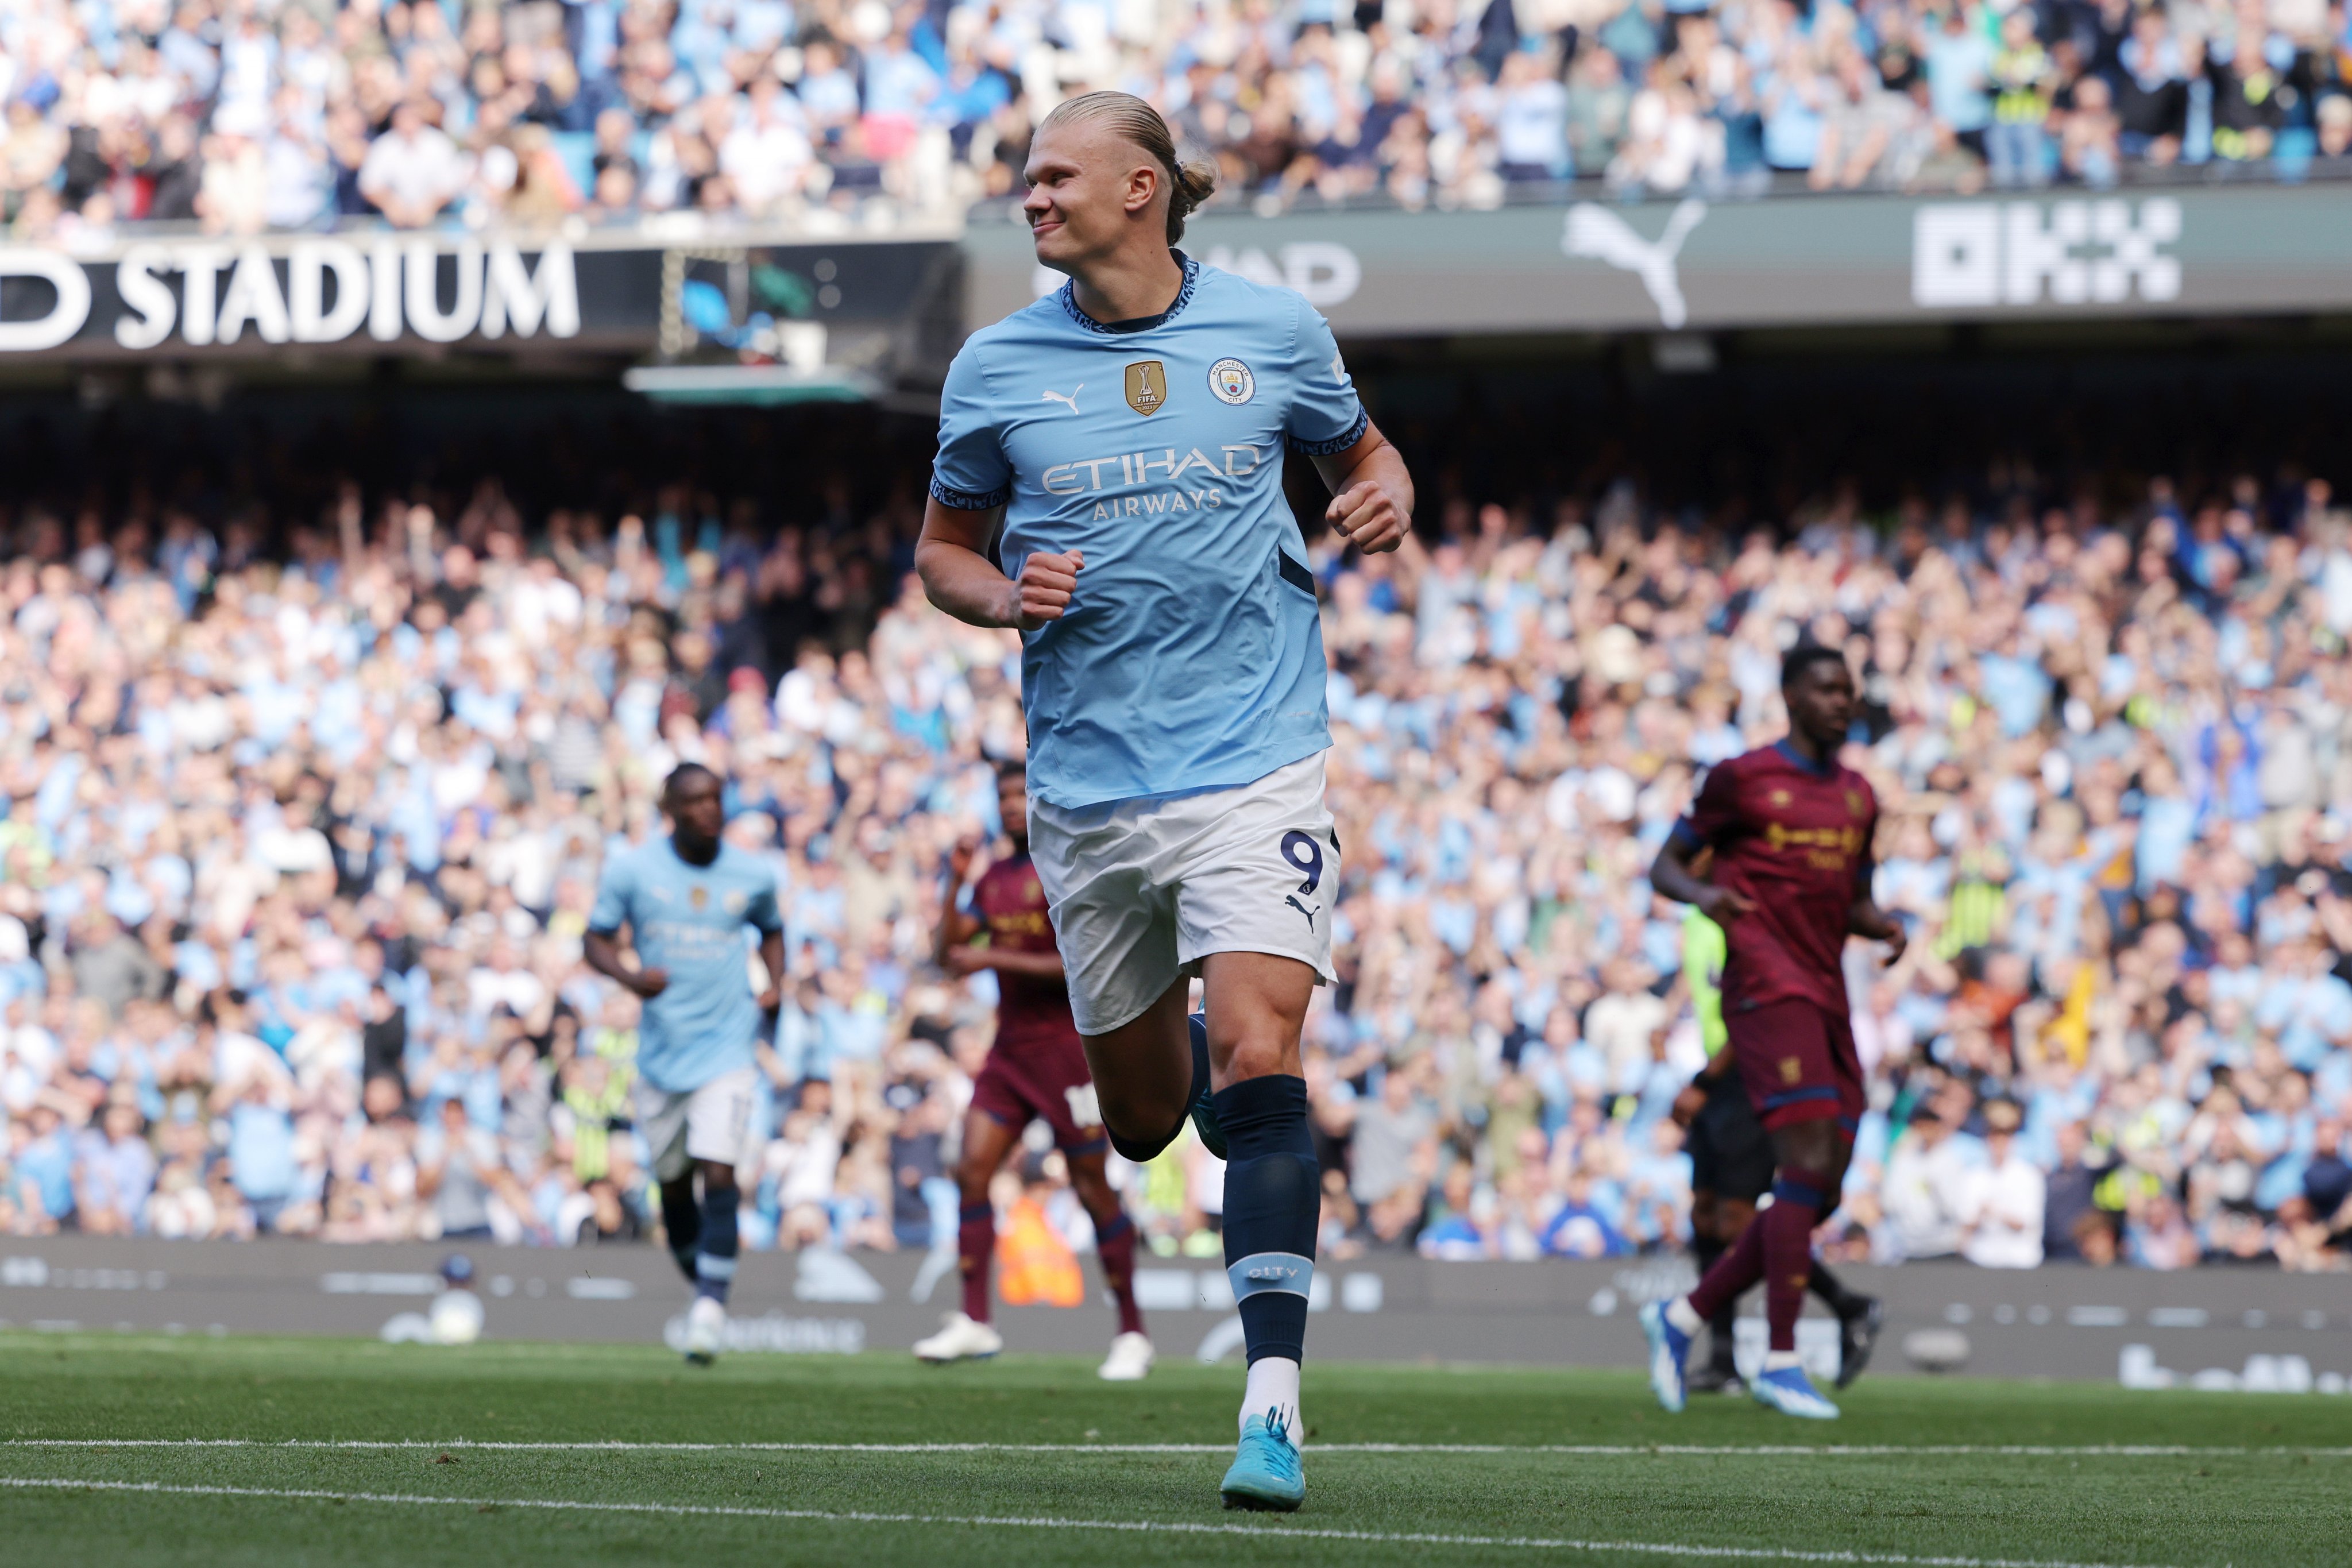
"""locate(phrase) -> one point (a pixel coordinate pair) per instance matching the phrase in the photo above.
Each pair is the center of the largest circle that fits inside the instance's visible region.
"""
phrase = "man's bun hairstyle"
(1189, 184)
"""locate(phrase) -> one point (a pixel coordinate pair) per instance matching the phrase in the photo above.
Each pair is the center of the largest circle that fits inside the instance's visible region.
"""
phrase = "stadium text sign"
(200, 293)
(1802, 260)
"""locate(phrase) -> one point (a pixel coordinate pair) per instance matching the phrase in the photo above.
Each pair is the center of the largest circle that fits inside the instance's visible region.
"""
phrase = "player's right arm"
(1711, 816)
(971, 480)
(951, 558)
(1670, 874)
(601, 943)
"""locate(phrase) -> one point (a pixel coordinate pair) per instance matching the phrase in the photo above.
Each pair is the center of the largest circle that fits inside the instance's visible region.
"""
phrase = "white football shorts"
(713, 1122)
(1141, 890)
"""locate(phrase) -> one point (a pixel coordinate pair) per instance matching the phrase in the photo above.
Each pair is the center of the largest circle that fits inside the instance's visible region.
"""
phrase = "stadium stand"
(305, 799)
(247, 115)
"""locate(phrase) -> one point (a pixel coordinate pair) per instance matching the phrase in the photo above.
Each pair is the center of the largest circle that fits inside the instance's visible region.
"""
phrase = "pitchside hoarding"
(1785, 262)
(2216, 1328)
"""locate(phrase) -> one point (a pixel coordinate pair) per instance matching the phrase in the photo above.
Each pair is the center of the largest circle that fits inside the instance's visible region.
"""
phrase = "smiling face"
(1091, 189)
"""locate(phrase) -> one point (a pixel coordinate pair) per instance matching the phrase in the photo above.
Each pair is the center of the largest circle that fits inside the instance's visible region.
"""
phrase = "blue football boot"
(1788, 1391)
(1267, 1475)
(1669, 1351)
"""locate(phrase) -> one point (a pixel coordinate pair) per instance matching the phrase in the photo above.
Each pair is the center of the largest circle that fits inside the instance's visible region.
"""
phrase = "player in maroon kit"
(1036, 1071)
(1791, 832)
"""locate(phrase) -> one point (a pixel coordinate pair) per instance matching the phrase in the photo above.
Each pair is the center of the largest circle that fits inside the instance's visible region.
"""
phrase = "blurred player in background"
(1037, 1070)
(687, 899)
(1731, 1167)
(1790, 829)
(1133, 428)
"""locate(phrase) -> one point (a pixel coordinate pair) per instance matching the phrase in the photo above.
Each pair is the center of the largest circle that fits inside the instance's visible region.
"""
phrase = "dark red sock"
(1798, 1198)
(975, 1246)
(1114, 1245)
(1733, 1273)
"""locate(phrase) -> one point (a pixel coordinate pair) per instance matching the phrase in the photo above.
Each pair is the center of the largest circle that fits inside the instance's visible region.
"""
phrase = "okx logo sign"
(1974, 254)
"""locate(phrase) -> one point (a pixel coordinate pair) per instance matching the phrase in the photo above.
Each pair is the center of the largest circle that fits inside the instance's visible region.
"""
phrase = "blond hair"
(1189, 184)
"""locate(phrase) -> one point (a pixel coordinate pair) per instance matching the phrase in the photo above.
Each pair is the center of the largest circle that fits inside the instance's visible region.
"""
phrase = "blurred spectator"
(413, 172)
(753, 109)
(2005, 1198)
(300, 826)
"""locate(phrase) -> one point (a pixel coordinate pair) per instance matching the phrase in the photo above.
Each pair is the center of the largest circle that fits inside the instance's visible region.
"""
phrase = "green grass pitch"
(341, 1460)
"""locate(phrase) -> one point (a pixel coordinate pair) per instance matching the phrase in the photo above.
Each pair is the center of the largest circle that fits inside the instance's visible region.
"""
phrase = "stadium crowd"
(246, 114)
(299, 846)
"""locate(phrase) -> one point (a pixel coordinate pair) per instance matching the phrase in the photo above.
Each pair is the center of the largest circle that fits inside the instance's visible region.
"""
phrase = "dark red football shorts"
(1797, 1061)
(1042, 1080)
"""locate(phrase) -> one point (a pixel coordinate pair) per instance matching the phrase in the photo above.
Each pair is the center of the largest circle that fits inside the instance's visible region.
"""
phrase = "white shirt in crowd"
(2002, 1200)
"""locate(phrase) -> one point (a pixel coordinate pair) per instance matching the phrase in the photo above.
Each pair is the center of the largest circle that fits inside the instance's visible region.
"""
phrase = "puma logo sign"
(1292, 899)
(1597, 233)
(1070, 397)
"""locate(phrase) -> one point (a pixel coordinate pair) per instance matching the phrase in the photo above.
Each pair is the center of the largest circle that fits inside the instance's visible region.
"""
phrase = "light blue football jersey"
(1192, 656)
(690, 920)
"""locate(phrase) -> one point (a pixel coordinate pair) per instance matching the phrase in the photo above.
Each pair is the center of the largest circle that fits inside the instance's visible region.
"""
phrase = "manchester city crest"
(1231, 380)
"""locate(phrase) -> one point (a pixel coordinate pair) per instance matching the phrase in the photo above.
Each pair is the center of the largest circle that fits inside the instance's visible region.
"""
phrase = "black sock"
(681, 1221)
(1273, 1198)
(1143, 1153)
(1721, 1329)
(714, 1259)
(1834, 1296)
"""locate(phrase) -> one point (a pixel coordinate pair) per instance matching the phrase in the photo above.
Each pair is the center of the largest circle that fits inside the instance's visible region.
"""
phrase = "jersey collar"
(1068, 296)
(1797, 758)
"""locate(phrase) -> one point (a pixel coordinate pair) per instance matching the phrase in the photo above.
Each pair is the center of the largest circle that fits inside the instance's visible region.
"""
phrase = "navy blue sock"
(1143, 1153)
(1273, 1198)
(681, 1221)
(714, 1262)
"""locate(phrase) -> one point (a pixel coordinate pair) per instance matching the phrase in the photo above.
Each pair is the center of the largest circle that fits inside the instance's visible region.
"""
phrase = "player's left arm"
(1027, 965)
(1865, 919)
(766, 916)
(1371, 492)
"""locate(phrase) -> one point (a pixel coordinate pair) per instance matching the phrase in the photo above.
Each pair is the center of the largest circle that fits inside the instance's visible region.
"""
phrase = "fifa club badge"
(1147, 386)
(699, 897)
(1231, 380)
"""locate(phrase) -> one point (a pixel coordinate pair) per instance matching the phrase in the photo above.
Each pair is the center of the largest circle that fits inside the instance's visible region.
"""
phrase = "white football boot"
(960, 1339)
(1129, 1359)
(705, 1331)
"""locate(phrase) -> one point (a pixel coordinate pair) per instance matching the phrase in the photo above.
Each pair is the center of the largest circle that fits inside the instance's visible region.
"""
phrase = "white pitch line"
(1586, 1450)
(1127, 1526)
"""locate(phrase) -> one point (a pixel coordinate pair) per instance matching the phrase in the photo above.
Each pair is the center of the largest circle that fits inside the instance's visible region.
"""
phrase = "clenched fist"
(1368, 517)
(1042, 591)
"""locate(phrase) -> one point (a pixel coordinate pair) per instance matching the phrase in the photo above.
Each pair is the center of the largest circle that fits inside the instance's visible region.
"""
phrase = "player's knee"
(1732, 1215)
(1095, 1194)
(1132, 1118)
(1812, 1145)
(1257, 1047)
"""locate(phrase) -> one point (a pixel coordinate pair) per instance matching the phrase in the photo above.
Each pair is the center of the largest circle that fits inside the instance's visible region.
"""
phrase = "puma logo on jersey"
(1292, 899)
(1070, 397)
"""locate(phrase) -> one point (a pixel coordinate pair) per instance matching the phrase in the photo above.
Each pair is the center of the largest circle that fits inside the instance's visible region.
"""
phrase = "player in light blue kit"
(687, 900)
(1130, 428)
